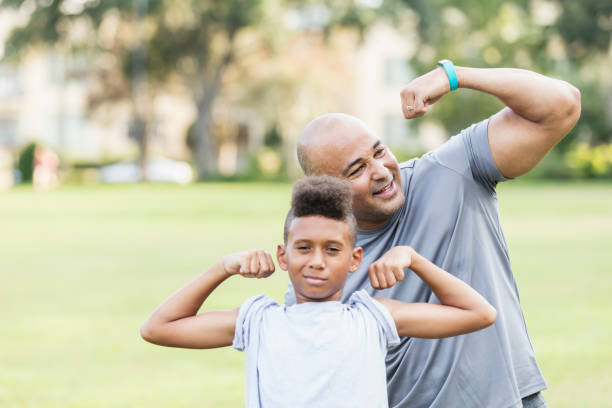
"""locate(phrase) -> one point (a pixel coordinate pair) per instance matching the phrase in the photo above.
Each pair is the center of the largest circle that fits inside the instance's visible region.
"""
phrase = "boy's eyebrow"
(357, 160)
(306, 240)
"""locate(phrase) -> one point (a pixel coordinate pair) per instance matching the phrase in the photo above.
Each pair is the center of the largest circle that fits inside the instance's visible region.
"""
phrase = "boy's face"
(319, 256)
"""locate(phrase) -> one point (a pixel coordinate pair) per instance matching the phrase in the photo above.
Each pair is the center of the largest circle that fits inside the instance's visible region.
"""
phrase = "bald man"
(444, 204)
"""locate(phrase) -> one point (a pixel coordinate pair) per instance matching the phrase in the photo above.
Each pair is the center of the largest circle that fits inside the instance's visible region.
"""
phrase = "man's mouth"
(387, 191)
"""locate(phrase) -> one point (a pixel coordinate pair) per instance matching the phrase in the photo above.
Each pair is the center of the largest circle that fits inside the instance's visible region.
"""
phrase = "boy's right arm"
(175, 323)
(462, 309)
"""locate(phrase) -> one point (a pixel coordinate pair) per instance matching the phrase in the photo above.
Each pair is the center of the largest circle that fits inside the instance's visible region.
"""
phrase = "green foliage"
(273, 138)
(591, 161)
(25, 162)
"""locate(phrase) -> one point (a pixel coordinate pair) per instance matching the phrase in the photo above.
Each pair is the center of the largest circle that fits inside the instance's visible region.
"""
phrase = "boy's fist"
(250, 264)
(389, 268)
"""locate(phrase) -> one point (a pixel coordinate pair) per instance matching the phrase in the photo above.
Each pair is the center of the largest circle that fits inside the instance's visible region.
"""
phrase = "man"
(444, 204)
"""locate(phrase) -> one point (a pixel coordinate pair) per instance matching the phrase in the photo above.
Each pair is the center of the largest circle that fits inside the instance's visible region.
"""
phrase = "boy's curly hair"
(325, 196)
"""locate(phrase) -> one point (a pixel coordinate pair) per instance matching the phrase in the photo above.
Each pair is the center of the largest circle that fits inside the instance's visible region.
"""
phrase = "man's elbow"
(569, 107)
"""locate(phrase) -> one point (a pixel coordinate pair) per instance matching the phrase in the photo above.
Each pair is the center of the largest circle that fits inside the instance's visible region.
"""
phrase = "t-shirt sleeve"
(249, 319)
(469, 153)
(386, 325)
(290, 296)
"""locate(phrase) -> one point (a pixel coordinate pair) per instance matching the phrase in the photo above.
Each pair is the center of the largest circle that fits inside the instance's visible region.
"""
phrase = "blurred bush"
(25, 163)
(590, 161)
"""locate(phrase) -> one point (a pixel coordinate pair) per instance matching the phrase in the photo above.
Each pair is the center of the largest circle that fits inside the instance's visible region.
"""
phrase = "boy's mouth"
(314, 280)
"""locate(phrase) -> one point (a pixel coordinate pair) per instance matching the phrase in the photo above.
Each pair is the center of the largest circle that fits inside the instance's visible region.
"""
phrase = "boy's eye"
(303, 248)
(333, 249)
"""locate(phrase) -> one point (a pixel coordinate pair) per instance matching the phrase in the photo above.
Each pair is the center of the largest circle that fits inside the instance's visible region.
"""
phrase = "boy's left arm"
(463, 310)
(175, 323)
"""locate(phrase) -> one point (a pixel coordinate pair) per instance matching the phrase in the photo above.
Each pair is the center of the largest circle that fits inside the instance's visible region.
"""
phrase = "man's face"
(353, 153)
(319, 256)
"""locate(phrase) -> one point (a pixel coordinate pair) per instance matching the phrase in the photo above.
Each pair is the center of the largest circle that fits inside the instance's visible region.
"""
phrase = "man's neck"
(365, 225)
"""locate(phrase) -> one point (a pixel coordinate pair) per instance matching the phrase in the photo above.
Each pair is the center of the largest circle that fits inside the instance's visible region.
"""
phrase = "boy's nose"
(317, 261)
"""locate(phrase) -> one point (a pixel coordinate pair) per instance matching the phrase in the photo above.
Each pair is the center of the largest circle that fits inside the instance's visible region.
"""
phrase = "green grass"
(81, 268)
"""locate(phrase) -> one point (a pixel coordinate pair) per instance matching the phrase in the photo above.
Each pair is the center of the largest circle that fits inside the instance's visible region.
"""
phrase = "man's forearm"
(535, 97)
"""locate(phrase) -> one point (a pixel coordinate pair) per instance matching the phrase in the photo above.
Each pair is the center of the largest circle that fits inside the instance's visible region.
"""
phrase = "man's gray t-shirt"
(451, 217)
(315, 354)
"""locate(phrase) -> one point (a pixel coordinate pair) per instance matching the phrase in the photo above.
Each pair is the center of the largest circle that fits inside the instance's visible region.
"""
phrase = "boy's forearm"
(450, 290)
(187, 301)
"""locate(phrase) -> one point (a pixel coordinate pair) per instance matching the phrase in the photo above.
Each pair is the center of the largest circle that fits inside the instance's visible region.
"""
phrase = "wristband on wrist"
(449, 68)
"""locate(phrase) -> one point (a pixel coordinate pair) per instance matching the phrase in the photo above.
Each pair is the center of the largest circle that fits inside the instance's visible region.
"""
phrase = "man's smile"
(388, 190)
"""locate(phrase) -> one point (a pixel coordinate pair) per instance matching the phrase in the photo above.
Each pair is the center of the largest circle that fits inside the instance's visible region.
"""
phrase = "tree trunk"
(206, 150)
(206, 157)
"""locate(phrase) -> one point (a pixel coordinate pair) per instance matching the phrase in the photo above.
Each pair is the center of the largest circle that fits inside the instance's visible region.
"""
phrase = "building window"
(8, 132)
(399, 134)
(9, 83)
(397, 72)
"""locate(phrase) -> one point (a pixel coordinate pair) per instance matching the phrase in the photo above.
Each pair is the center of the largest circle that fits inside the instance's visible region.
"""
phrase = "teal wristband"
(449, 68)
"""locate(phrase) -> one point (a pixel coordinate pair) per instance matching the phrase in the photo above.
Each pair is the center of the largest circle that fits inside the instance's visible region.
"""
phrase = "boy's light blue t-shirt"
(315, 354)
(451, 217)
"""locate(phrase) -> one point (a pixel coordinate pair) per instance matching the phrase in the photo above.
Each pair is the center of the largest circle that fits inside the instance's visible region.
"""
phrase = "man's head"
(320, 231)
(343, 146)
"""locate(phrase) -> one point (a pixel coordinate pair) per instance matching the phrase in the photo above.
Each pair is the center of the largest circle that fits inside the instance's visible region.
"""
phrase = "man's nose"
(379, 171)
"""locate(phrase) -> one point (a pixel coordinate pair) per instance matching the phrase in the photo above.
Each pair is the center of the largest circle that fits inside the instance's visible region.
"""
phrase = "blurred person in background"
(46, 163)
(444, 204)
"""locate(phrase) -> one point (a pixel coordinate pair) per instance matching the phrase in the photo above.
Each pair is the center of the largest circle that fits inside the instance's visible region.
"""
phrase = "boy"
(319, 352)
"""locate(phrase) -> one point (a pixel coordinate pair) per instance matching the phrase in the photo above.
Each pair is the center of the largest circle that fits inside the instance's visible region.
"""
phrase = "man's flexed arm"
(539, 111)
(175, 323)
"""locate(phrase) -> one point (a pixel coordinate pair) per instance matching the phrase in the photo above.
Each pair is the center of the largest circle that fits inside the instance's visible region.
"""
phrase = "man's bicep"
(517, 144)
(206, 330)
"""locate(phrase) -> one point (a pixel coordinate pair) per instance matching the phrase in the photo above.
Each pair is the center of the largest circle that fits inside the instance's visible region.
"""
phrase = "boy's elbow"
(489, 316)
(148, 333)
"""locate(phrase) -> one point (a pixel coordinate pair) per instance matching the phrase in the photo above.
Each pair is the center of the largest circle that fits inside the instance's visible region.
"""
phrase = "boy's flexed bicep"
(205, 330)
(176, 322)
(462, 309)
(431, 321)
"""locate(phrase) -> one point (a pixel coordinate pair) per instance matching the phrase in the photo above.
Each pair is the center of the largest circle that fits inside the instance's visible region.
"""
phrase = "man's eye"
(303, 248)
(379, 153)
(333, 249)
(357, 170)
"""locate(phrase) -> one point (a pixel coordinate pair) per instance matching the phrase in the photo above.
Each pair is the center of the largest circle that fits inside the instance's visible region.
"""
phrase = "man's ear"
(356, 258)
(281, 256)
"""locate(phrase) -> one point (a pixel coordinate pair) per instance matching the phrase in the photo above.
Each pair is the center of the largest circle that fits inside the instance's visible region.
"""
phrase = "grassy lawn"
(81, 268)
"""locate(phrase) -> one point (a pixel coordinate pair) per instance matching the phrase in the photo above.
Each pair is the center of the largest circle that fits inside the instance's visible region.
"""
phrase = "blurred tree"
(189, 40)
(561, 38)
(200, 43)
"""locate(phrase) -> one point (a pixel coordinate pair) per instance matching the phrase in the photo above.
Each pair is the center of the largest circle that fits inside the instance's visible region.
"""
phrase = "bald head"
(322, 131)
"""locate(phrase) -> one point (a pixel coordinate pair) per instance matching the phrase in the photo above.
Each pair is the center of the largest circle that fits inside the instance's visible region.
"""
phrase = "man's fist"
(423, 92)
(389, 268)
(250, 264)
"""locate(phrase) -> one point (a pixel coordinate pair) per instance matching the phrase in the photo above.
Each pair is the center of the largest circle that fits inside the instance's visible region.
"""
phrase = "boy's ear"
(356, 258)
(281, 256)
